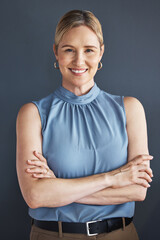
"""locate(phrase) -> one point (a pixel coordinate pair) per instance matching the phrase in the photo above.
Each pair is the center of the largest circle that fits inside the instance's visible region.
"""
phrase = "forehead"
(81, 35)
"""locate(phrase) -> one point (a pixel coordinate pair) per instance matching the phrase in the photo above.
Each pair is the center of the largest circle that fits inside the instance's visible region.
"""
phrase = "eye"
(68, 50)
(89, 50)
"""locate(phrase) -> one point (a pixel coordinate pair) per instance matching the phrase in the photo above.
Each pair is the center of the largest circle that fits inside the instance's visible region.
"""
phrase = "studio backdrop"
(131, 67)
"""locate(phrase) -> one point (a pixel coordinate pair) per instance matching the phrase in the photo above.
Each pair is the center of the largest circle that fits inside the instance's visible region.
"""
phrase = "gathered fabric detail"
(82, 136)
(69, 96)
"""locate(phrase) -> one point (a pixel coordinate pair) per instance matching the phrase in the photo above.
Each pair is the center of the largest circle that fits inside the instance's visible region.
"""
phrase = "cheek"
(93, 62)
(63, 61)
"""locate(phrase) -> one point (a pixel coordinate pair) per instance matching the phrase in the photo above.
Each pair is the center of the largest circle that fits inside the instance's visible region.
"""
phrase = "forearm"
(56, 192)
(110, 196)
(59, 192)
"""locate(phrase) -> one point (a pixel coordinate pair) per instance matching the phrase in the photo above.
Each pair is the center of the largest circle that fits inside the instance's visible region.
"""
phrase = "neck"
(80, 89)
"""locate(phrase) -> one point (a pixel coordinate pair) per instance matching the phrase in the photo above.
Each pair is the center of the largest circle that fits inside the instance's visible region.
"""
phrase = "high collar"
(69, 96)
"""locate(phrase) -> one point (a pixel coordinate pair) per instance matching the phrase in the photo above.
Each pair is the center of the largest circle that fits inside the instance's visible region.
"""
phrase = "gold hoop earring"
(55, 64)
(100, 65)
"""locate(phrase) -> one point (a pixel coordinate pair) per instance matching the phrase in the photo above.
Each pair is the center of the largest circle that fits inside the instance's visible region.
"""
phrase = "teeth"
(78, 71)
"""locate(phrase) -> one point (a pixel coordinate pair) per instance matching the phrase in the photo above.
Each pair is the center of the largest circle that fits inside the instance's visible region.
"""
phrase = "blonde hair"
(75, 18)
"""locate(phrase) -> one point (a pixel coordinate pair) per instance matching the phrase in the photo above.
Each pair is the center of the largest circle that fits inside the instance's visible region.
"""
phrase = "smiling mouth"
(80, 71)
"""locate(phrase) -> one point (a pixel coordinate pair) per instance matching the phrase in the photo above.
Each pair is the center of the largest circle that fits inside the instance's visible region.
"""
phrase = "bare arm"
(110, 196)
(53, 192)
(138, 144)
(46, 192)
(115, 195)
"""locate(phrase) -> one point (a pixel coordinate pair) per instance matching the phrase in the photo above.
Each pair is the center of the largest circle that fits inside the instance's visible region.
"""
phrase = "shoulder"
(35, 110)
(27, 110)
(133, 108)
(132, 101)
(28, 113)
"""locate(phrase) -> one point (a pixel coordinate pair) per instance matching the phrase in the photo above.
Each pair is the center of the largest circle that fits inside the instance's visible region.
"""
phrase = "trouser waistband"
(90, 228)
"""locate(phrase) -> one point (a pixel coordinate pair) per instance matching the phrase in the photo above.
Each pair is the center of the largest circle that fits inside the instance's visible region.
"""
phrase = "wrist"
(112, 178)
(108, 179)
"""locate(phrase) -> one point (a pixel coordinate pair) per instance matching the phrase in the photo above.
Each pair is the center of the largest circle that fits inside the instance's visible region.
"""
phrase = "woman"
(91, 161)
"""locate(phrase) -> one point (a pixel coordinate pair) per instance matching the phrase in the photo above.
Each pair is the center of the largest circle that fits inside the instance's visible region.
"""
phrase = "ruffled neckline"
(69, 96)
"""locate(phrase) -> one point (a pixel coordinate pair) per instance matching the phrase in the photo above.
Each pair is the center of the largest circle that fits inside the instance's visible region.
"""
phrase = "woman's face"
(78, 55)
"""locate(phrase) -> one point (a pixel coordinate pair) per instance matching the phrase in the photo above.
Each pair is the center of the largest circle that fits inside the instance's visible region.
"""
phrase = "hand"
(134, 172)
(39, 168)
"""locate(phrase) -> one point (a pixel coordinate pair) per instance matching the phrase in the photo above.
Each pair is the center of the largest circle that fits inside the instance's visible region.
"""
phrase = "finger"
(140, 158)
(40, 175)
(143, 182)
(37, 163)
(148, 170)
(146, 157)
(40, 156)
(145, 176)
(145, 168)
(36, 170)
(31, 166)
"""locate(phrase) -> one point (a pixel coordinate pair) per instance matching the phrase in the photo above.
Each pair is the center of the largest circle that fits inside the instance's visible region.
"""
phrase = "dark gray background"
(131, 67)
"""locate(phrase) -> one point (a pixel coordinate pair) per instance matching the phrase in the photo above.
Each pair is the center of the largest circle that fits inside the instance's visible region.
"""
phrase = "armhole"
(125, 118)
(41, 116)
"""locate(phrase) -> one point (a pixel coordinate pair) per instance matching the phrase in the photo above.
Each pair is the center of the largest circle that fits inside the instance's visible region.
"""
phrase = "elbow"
(32, 204)
(141, 195)
(32, 200)
(36, 199)
(37, 196)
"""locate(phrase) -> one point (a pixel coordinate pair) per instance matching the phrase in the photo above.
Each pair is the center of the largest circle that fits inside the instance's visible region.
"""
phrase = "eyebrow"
(89, 46)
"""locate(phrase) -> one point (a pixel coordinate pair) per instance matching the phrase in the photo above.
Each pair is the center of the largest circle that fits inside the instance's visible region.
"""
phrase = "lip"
(78, 74)
(78, 69)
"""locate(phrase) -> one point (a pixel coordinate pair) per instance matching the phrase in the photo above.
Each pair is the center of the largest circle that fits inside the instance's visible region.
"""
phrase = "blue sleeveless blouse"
(83, 135)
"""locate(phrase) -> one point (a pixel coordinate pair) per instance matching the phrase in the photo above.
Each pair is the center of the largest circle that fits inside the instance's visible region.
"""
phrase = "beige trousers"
(127, 233)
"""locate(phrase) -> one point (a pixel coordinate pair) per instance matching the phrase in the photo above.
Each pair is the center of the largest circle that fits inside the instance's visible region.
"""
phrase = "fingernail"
(29, 160)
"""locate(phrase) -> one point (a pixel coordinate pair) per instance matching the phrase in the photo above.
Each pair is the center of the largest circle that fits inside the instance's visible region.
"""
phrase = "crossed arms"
(128, 183)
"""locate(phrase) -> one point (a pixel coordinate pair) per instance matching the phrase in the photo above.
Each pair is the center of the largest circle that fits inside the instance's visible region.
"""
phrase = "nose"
(79, 59)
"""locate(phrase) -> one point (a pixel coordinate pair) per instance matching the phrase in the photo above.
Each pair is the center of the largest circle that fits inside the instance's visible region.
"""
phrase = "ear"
(101, 52)
(54, 50)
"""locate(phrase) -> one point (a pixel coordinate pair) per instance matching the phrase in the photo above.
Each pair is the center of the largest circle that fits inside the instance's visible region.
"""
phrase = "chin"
(77, 82)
